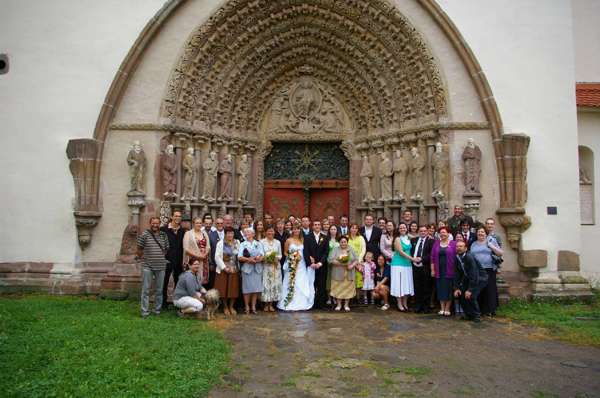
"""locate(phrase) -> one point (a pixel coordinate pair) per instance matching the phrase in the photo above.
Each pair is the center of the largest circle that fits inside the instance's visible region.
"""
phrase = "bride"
(301, 296)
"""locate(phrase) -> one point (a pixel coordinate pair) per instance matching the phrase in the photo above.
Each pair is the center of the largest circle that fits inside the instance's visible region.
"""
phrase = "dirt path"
(371, 353)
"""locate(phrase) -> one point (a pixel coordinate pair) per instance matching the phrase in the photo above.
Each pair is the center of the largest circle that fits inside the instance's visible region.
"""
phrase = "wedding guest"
(288, 227)
(490, 227)
(331, 220)
(271, 277)
(259, 230)
(207, 223)
(483, 249)
(457, 219)
(249, 219)
(468, 281)
(344, 228)
(442, 224)
(407, 217)
(387, 240)
(381, 221)
(268, 220)
(187, 296)
(368, 271)
(152, 246)
(372, 235)
(413, 230)
(175, 233)
(382, 282)
(305, 223)
(251, 255)
(281, 235)
(243, 227)
(333, 238)
(459, 237)
(196, 246)
(214, 237)
(343, 261)
(227, 280)
(431, 230)
(325, 225)
(466, 232)
(443, 256)
(228, 223)
(401, 285)
(358, 244)
(421, 248)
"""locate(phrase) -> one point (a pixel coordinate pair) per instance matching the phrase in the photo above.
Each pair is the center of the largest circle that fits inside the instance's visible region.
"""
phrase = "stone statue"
(226, 170)
(472, 160)
(366, 175)
(417, 164)
(211, 170)
(440, 162)
(243, 170)
(386, 173)
(400, 173)
(136, 159)
(189, 174)
(168, 168)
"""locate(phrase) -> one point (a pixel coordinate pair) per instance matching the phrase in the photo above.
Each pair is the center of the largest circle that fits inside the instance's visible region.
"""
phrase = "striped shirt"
(154, 253)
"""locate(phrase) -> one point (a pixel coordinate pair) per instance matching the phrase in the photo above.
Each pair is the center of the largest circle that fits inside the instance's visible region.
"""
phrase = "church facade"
(320, 107)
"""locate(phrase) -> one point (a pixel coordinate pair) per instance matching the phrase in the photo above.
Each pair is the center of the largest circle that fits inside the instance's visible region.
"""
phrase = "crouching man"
(469, 279)
(188, 292)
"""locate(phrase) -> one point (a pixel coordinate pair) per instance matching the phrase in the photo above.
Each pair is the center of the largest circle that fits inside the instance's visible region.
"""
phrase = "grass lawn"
(86, 347)
(577, 323)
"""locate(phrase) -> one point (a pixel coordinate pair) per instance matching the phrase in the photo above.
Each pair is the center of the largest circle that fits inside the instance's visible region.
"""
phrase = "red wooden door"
(281, 202)
(325, 202)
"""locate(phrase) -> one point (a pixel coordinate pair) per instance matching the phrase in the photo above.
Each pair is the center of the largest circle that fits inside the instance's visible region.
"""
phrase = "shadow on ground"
(370, 353)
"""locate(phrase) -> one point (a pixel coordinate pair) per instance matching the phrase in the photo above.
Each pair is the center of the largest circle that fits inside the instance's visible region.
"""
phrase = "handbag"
(497, 260)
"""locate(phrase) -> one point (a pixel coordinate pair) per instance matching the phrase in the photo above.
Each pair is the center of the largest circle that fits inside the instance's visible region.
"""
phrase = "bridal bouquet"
(270, 257)
(293, 261)
(344, 259)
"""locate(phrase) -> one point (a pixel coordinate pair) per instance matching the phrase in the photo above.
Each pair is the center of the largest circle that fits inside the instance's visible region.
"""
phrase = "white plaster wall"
(525, 48)
(63, 57)
(586, 31)
(589, 136)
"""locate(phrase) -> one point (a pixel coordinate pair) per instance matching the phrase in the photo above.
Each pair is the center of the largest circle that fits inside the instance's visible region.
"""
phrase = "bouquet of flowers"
(293, 261)
(271, 257)
(344, 259)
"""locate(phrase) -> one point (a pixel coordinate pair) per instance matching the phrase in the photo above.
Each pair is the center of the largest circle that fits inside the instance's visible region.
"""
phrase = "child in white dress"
(368, 274)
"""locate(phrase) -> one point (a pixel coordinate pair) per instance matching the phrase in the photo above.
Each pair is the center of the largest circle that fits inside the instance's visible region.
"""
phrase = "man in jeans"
(153, 245)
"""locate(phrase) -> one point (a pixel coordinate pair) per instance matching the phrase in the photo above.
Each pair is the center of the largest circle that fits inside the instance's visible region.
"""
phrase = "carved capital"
(84, 156)
(515, 221)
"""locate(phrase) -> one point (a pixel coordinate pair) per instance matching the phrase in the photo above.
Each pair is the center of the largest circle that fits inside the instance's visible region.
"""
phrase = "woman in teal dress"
(401, 284)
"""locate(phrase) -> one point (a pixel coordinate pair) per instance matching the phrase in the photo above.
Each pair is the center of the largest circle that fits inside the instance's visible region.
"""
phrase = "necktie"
(419, 247)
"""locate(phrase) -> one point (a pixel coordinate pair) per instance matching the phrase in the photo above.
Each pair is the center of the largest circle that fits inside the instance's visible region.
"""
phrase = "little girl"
(368, 274)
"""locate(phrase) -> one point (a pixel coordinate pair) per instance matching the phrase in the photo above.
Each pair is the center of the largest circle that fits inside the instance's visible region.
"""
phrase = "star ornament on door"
(306, 160)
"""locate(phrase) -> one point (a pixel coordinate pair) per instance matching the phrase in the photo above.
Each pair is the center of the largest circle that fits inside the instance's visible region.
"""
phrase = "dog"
(212, 302)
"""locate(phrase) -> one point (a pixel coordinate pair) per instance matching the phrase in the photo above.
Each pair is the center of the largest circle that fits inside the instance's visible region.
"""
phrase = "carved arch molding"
(379, 87)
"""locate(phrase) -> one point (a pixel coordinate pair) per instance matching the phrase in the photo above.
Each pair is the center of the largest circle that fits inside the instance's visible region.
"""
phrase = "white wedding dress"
(304, 288)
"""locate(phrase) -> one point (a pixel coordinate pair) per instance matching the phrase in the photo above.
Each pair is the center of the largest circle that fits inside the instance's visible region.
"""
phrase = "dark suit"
(213, 237)
(175, 257)
(469, 275)
(422, 275)
(282, 238)
(472, 237)
(318, 250)
(339, 228)
(373, 243)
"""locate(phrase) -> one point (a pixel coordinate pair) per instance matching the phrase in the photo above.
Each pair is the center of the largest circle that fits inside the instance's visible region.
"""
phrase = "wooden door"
(325, 202)
(281, 202)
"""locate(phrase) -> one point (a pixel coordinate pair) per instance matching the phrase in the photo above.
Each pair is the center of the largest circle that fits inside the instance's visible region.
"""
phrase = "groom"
(316, 247)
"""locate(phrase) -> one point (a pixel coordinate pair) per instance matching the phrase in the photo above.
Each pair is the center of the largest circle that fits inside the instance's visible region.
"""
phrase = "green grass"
(85, 347)
(574, 322)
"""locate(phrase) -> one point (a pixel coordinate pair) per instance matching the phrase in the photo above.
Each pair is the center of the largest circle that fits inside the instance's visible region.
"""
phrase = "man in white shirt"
(421, 248)
(372, 235)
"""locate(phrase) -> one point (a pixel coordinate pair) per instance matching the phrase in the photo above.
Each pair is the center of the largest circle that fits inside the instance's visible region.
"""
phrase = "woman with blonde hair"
(196, 246)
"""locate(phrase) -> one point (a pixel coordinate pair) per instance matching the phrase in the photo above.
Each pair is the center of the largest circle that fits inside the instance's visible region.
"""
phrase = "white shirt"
(343, 230)
(368, 232)
(317, 236)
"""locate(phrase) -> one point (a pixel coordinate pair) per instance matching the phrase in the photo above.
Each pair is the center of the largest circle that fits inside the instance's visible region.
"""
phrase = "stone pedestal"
(136, 200)
(559, 285)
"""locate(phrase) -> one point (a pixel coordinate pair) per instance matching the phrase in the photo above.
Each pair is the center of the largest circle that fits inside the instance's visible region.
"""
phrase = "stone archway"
(380, 69)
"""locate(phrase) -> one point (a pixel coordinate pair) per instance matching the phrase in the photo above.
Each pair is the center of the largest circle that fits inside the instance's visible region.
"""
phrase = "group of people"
(298, 264)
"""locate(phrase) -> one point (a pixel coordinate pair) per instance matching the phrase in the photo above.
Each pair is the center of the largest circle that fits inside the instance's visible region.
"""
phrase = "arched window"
(586, 185)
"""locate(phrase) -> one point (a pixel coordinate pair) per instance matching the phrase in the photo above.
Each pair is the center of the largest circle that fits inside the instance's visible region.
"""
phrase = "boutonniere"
(320, 239)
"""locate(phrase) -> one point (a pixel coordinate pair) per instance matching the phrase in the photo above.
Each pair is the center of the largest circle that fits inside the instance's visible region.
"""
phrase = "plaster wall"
(586, 31)
(589, 136)
(525, 49)
(63, 56)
